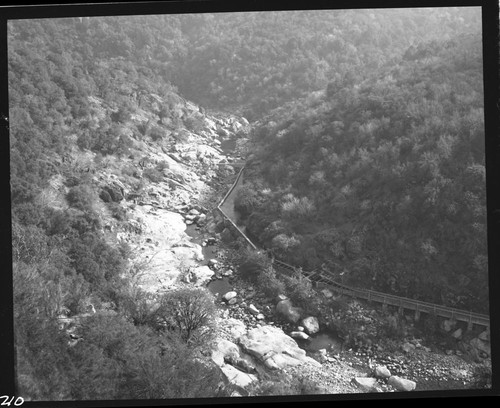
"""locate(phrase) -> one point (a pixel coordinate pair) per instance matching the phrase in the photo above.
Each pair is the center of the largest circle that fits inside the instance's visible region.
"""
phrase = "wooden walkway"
(322, 278)
(402, 303)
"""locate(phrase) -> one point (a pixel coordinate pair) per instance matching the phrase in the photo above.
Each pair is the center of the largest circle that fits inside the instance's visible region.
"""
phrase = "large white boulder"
(401, 384)
(223, 349)
(229, 295)
(188, 254)
(200, 275)
(237, 377)
(366, 384)
(299, 335)
(381, 371)
(311, 325)
(274, 348)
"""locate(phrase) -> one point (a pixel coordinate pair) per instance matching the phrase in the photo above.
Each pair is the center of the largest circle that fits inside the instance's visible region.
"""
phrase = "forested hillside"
(81, 115)
(383, 181)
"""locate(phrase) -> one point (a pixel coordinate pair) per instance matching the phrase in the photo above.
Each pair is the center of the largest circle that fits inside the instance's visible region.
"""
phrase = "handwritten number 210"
(8, 402)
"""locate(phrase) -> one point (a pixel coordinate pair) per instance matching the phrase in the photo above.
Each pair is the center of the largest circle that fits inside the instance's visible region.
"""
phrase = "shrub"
(92, 257)
(283, 242)
(153, 175)
(83, 223)
(357, 326)
(143, 128)
(138, 306)
(194, 124)
(84, 141)
(156, 133)
(81, 197)
(162, 165)
(28, 213)
(29, 244)
(117, 211)
(269, 284)
(245, 201)
(175, 374)
(293, 207)
(251, 264)
(301, 293)
(187, 315)
(42, 363)
(105, 196)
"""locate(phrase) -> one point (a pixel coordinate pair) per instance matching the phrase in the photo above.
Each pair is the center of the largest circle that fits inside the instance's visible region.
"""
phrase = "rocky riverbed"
(428, 370)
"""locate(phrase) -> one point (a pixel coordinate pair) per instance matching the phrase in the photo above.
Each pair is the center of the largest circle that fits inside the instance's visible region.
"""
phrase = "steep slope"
(384, 182)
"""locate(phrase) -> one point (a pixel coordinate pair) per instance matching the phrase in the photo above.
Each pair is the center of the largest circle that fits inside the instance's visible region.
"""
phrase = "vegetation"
(383, 183)
(373, 164)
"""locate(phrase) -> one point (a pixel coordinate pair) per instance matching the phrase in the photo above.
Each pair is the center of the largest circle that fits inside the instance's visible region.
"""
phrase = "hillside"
(383, 182)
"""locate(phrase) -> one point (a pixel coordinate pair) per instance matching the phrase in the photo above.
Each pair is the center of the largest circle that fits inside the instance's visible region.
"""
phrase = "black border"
(492, 125)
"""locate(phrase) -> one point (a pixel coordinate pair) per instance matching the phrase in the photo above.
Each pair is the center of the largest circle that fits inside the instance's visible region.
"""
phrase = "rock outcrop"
(271, 346)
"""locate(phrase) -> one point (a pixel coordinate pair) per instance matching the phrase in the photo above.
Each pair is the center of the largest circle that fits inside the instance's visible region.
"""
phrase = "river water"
(219, 286)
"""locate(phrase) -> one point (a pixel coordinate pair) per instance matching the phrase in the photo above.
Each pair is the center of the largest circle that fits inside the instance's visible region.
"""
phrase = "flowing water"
(323, 341)
(218, 286)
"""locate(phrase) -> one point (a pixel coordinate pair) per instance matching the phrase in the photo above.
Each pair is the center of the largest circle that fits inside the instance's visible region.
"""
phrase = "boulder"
(193, 212)
(224, 349)
(366, 384)
(211, 241)
(401, 384)
(213, 263)
(252, 309)
(229, 295)
(457, 334)
(484, 336)
(290, 312)
(201, 220)
(327, 293)
(311, 325)
(233, 328)
(114, 190)
(299, 335)
(481, 346)
(188, 254)
(408, 347)
(200, 275)
(237, 377)
(245, 366)
(448, 325)
(274, 348)
(381, 371)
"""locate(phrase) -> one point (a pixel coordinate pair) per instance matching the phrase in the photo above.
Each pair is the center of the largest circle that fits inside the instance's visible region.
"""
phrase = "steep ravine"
(174, 236)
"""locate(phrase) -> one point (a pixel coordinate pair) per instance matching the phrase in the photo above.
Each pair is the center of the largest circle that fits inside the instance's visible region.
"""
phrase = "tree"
(187, 314)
